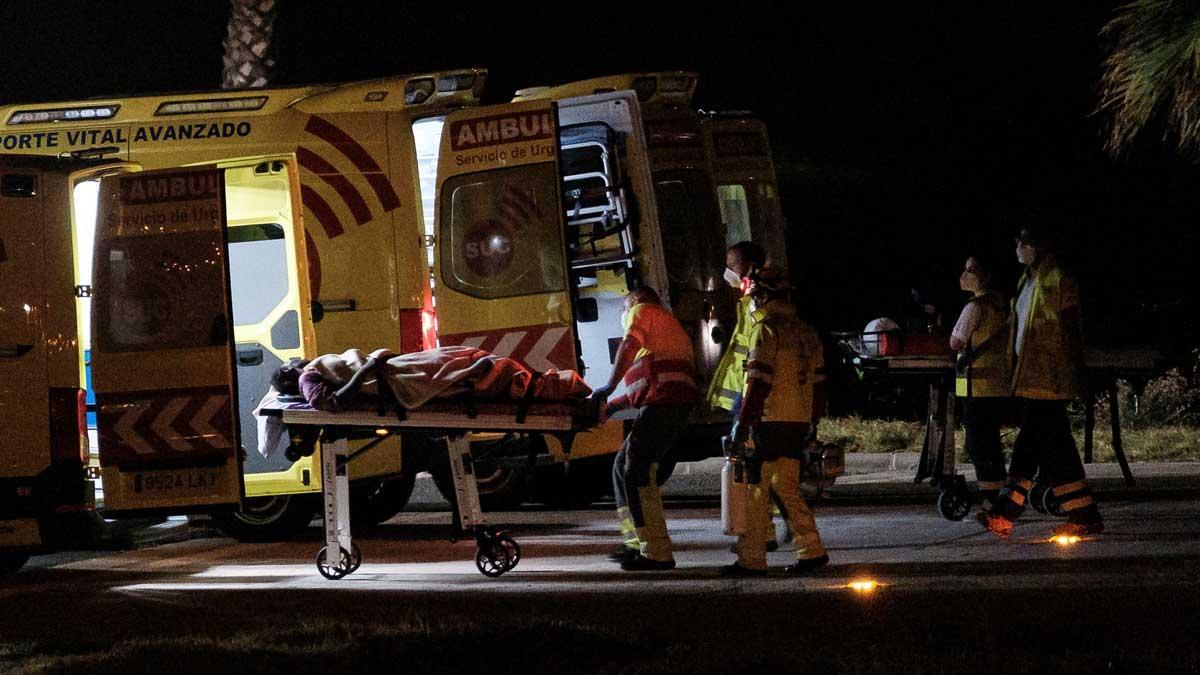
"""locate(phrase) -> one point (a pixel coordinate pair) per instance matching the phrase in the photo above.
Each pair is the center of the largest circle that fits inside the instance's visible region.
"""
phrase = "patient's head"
(644, 294)
(286, 378)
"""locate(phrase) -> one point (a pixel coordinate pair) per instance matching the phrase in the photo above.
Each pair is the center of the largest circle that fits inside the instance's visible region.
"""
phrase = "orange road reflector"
(1066, 539)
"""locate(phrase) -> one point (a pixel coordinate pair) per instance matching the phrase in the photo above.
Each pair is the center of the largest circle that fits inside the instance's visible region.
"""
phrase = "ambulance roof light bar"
(238, 104)
(51, 115)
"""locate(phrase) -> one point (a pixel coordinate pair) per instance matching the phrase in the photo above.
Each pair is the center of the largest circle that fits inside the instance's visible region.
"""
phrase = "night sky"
(904, 138)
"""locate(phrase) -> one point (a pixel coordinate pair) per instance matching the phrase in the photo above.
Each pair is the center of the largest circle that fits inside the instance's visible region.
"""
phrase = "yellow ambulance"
(328, 197)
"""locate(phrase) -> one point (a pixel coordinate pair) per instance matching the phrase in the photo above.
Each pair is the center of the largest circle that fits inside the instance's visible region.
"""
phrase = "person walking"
(654, 361)
(1046, 349)
(782, 402)
(983, 375)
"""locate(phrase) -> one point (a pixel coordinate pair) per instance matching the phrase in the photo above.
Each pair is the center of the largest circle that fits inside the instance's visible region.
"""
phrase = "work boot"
(640, 563)
(807, 565)
(736, 570)
(995, 523)
(1078, 529)
(622, 553)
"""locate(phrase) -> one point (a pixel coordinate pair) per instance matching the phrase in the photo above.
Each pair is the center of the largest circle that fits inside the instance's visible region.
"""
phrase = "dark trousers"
(635, 468)
(981, 422)
(1045, 441)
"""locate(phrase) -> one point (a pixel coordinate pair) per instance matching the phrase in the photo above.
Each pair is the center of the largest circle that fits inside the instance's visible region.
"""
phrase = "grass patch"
(1171, 443)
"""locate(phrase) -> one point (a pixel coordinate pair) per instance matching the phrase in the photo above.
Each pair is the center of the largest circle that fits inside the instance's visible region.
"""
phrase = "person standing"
(654, 360)
(782, 402)
(1046, 348)
(983, 375)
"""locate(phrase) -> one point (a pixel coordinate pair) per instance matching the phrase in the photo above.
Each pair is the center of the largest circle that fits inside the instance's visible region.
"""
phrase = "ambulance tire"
(501, 488)
(10, 563)
(378, 500)
(265, 519)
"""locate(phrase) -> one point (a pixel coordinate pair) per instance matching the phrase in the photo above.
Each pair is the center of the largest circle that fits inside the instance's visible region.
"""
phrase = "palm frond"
(1152, 73)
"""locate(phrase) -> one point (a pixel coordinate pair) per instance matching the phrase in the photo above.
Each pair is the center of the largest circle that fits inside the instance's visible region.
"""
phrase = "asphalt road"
(923, 563)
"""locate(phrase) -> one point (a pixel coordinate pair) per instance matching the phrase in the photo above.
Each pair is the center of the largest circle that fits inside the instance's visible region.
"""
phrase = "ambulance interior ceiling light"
(88, 113)
(242, 103)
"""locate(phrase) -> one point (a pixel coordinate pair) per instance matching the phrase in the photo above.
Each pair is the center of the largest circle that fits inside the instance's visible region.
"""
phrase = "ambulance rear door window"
(500, 233)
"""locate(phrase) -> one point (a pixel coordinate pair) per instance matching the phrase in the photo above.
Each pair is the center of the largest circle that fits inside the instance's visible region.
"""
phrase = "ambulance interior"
(263, 283)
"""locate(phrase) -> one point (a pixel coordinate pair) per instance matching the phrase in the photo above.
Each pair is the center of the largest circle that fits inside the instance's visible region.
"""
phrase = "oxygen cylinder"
(733, 499)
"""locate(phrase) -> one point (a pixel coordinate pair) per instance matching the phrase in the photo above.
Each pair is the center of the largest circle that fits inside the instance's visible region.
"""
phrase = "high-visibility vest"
(988, 373)
(730, 377)
(1045, 368)
(651, 381)
(786, 353)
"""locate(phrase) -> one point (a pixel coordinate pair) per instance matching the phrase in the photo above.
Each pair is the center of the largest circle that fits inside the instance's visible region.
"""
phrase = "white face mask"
(732, 278)
(1025, 254)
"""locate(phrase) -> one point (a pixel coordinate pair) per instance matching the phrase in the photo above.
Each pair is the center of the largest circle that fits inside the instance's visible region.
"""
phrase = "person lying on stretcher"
(335, 382)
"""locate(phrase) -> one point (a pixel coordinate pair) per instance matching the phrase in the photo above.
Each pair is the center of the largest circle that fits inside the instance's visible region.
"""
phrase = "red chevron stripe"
(358, 155)
(320, 208)
(329, 173)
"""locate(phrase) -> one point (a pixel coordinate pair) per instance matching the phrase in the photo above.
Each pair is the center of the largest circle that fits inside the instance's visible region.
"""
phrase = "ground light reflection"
(864, 586)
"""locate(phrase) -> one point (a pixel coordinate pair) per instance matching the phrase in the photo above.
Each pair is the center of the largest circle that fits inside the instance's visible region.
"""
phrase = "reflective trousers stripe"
(1068, 488)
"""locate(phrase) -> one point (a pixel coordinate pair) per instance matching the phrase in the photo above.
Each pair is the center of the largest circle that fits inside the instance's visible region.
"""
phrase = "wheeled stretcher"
(937, 464)
(496, 553)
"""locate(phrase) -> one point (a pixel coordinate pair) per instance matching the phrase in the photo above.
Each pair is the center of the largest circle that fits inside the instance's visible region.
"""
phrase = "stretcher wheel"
(355, 559)
(493, 558)
(512, 548)
(344, 566)
(1051, 505)
(954, 503)
(1037, 497)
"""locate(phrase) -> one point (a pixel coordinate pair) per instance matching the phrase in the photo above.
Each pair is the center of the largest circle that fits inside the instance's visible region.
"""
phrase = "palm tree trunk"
(249, 49)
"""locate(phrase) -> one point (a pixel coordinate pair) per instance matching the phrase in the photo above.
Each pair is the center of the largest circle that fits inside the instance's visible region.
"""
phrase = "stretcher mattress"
(450, 415)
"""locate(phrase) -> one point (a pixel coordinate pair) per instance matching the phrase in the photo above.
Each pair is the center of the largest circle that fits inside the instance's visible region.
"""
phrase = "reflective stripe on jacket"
(787, 356)
(730, 377)
(658, 381)
(1045, 369)
(987, 349)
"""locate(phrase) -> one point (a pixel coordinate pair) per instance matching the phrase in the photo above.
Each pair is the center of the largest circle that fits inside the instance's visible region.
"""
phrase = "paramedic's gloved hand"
(602, 393)
(740, 433)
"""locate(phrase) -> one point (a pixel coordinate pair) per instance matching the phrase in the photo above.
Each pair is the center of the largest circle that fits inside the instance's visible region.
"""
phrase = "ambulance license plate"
(176, 482)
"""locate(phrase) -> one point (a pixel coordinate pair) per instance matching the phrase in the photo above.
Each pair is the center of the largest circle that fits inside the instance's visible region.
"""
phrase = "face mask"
(1025, 254)
(732, 278)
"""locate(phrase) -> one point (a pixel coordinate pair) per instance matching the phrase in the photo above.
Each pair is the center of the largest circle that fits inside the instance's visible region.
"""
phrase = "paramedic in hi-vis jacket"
(654, 360)
(781, 404)
(983, 375)
(725, 390)
(1047, 350)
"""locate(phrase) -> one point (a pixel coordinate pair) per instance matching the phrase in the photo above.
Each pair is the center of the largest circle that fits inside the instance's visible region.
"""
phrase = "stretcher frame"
(937, 462)
(496, 553)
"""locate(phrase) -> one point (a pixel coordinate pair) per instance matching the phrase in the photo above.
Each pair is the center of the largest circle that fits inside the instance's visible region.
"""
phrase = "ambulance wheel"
(345, 564)
(493, 558)
(378, 500)
(954, 503)
(11, 562)
(1037, 497)
(1051, 505)
(274, 518)
(501, 488)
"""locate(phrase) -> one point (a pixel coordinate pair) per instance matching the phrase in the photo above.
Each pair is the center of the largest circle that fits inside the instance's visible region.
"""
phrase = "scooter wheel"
(954, 504)
(1051, 504)
(337, 570)
(1037, 496)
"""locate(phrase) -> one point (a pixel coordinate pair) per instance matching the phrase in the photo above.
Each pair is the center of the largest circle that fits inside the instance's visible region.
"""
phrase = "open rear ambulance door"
(501, 270)
(163, 343)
